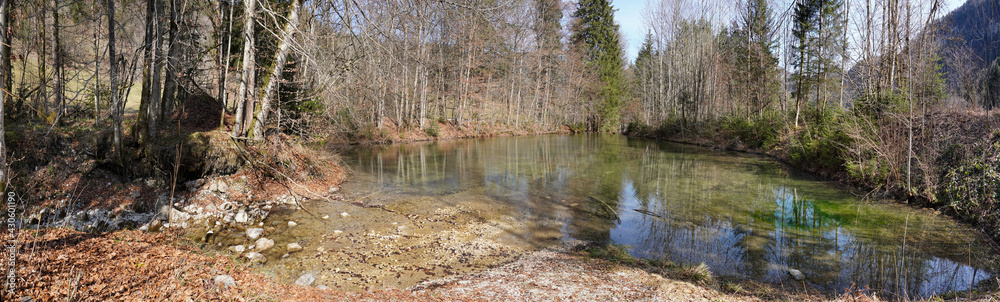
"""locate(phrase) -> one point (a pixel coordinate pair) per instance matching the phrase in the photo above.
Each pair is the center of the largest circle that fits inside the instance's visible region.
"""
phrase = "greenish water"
(743, 216)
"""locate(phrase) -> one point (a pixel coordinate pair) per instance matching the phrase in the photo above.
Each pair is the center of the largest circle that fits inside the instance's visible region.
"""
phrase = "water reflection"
(743, 216)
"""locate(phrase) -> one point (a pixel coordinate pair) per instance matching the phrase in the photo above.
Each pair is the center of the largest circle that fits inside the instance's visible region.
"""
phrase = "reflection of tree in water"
(742, 217)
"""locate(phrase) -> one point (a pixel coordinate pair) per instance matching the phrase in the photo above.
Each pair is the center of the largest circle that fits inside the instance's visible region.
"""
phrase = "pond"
(743, 216)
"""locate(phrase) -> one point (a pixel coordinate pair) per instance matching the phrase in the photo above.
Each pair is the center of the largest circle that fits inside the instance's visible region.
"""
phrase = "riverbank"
(61, 264)
(954, 163)
(546, 274)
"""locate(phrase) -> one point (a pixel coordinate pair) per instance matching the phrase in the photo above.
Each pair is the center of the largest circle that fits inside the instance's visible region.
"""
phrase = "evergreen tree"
(644, 69)
(597, 35)
(818, 42)
(753, 43)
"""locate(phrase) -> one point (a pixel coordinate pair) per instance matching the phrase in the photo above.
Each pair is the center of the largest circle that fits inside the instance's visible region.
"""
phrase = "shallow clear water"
(743, 216)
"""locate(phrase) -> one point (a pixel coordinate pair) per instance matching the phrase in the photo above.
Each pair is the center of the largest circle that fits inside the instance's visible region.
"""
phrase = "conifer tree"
(597, 35)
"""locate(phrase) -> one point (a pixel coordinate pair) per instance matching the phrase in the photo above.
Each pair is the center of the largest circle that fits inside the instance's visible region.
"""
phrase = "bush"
(758, 133)
(971, 188)
(433, 130)
(820, 146)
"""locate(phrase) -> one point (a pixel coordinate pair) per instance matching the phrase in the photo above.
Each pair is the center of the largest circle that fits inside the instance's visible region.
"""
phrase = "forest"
(885, 94)
(898, 97)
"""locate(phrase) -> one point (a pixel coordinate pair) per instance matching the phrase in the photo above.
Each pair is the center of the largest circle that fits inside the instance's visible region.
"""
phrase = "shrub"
(820, 146)
(433, 130)
(971, 187)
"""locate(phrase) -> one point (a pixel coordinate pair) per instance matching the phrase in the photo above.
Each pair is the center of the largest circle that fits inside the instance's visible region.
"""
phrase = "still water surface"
(743, 216)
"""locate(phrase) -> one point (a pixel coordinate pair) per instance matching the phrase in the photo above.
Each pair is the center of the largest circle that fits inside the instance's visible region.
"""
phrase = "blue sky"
(629, 17)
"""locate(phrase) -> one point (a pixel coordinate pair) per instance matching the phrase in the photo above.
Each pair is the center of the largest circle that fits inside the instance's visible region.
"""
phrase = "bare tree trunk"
(170, 83)
(271, 89)
(4, 80)
(116, 103)
(43, 97)
(245, 94)
(156, 84)
(223, 81)
(57, 64)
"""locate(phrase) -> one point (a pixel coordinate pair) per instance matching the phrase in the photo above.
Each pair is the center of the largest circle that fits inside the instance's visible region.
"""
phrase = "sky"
(629, 16)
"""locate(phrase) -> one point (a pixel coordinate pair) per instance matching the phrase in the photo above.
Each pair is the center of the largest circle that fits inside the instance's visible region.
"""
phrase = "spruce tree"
(597, 34)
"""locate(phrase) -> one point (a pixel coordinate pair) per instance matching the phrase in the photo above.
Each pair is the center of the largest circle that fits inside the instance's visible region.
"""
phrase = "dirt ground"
(60, 264)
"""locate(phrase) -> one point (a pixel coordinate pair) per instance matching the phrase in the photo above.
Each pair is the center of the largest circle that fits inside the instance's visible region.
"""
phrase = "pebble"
(242, 217)
(135, 194)
(225, 281)
(254, 233)
(256, 257)
(293, 247)
(292, 223)
(344, 214)
(326, 216)
(337, 232)
(238, 249)
(796, 274)
(263, 244)
(306, 279)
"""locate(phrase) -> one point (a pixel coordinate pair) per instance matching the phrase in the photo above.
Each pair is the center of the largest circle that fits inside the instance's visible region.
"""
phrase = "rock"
(135, 194)
(322, 287)
(326, 216)
(292, 223)
(796, 274)
(213, 187)
(337, 232)
(264, 244)
(224, 281)
(242, 217)
(209, 235)
(164, 212)
(193, 185)
(306, 279)
(256, 257)
(178, 216)
(238, 249)
(293, 247)
(333, 189)
(210, 208)
(254, 233)
(155, 225)
(344, 214)
(223, 187)
(285, 255)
